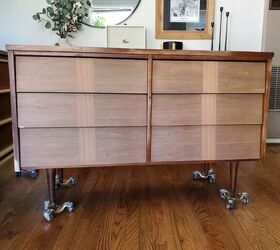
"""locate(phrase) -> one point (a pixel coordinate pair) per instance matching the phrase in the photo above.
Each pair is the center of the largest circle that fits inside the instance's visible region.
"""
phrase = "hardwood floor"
(144, 208)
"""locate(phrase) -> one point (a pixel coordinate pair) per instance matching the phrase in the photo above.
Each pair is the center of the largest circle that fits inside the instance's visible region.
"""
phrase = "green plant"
(63, 16)
(99, 21)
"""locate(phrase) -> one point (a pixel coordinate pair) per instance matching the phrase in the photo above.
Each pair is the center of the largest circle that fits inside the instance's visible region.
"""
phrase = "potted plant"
(63, 17)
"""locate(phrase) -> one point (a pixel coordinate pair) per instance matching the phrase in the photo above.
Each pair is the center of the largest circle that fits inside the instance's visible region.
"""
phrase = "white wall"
(271, 32)
(245, 31)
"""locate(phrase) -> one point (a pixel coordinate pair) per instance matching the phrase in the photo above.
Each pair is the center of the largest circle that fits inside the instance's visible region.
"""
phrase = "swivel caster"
(32, 173)
(210, 176)
(72, 181)
(244, 198)
(195, 175)
(51, 209)
(230, 200)
(230, 203)
(224, 194)
(48, 215)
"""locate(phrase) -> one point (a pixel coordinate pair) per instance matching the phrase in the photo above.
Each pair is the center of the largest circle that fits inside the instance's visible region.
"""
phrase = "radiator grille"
(274, 101)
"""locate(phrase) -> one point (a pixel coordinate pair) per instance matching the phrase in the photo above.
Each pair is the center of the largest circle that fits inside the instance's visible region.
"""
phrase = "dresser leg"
(50, 208)
(59, 181)
(231, 197)
(208, 174)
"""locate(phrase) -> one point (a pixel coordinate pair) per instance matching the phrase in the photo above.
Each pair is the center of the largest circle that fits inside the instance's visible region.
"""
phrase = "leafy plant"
(99, 21)
(63, 16)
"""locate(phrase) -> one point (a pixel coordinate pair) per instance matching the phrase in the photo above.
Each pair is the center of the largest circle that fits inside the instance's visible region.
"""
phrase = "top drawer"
(65, 74)
(208, 77)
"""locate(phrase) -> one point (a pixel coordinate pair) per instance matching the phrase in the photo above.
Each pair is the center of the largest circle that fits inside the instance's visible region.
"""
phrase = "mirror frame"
(103, 27)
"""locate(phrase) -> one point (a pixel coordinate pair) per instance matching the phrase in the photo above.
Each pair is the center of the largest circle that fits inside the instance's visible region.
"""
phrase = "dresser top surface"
(73, 51)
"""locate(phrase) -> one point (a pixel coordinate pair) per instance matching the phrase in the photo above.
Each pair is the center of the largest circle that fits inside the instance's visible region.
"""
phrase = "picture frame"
(184, 19)
(274, 4)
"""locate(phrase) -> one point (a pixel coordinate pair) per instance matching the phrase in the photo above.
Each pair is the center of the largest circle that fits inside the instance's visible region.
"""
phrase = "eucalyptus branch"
(63, 16)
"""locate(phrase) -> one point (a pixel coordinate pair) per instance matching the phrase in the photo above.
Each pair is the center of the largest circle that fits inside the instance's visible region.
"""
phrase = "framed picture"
(184, 19)
(274, 5)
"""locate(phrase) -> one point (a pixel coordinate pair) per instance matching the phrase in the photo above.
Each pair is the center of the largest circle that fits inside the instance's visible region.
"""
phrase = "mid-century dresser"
(77, 107)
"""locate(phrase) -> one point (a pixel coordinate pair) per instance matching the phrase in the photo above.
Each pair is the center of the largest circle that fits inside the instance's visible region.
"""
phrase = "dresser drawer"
(208, 77)
(194, 143)
(81, 110)
(82, 146)
(65, 74)
(207, 109)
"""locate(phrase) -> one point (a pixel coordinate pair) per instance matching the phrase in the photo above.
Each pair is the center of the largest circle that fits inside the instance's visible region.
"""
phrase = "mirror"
(110, 12)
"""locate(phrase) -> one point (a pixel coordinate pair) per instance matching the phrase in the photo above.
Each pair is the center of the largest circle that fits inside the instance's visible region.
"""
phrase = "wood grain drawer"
(63, 74)
(194, 143)
(82, 146)
(81, 110)
(208, 109)
(208, 77)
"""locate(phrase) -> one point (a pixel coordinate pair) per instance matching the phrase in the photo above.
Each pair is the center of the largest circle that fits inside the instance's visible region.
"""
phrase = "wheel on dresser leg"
(195, 175)
(244, 198)
(212, 178)
(230, 203)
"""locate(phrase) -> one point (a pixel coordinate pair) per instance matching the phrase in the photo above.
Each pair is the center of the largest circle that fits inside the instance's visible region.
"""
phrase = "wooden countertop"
(155, 53)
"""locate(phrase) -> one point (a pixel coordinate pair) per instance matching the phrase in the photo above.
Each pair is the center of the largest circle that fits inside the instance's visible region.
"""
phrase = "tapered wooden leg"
(60, 174)
(206, 168)
(231, 196)
(234, 165)
(51, 185)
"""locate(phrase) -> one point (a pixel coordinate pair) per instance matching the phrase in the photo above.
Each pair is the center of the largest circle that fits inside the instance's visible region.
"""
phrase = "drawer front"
(210, 109)
(194, 143)
(82, 146)
(81, 110)
(63, 74)
(208, 77)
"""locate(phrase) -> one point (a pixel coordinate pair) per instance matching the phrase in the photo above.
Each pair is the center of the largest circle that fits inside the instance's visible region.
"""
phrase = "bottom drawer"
(194, 143)
(82, 146)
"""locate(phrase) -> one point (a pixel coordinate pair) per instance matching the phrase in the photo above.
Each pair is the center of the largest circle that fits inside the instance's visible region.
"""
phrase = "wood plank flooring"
(144, 208)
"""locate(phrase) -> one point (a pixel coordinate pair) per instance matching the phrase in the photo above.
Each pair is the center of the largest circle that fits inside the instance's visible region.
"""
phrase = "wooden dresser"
(76, 107)
(6, 142)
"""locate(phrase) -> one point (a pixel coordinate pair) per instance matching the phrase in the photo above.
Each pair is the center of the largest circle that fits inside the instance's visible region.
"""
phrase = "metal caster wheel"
(212, 178)
(244, 198)
(230, 203)
(34, 174)
(69, 206)
(195, 175)
(224, 194)
(48, 215)
(73, 181)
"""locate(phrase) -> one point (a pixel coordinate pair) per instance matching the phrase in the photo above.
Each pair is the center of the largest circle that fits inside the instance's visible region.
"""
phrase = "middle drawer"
(206, 109)
(81, 110)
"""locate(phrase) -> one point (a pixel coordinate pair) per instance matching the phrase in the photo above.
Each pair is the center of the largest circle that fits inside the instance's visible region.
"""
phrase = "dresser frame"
(149, 55)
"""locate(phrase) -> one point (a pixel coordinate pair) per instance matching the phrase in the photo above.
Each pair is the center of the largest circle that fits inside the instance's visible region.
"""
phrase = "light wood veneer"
(81, 110)
(58, 74)
(54, 147)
